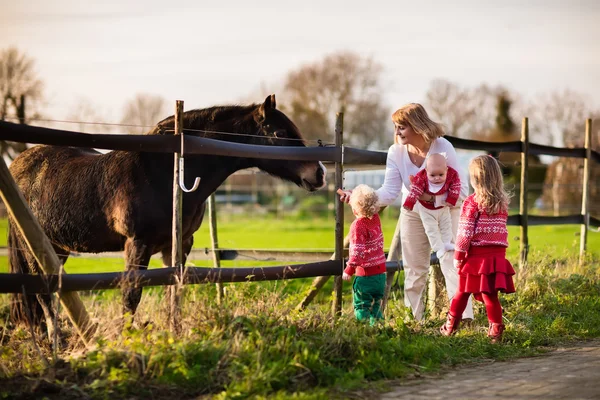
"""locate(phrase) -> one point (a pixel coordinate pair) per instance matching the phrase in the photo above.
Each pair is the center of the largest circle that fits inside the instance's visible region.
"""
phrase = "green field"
(318, 235)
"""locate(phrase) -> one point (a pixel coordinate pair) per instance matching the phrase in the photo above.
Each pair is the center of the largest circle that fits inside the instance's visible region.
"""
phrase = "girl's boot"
(495, 332)
(451, 325)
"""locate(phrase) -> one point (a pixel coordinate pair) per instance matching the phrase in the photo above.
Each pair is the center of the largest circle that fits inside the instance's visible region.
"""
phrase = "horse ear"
(270, 102)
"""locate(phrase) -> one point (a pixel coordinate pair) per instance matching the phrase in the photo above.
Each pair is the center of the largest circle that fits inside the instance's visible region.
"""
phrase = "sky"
(220, 52)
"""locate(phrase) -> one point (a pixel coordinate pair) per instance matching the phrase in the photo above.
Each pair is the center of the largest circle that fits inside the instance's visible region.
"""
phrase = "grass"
(257, 345)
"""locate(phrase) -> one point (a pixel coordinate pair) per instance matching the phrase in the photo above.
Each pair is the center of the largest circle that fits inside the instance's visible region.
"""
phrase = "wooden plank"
(523, 206)
(585, 195)
(339, 217)
(214, 239)
(39, 244)
(177, 245)
(12, 283)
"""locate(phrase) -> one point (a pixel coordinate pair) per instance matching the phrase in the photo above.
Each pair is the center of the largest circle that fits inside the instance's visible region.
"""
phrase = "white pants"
(416, 254)
(438, 228)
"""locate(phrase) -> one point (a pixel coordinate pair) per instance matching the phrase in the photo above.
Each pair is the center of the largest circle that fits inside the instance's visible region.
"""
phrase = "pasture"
(257, 345)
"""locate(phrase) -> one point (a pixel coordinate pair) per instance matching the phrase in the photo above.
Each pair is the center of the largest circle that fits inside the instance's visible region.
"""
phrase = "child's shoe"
(451, 325)
(495, 332)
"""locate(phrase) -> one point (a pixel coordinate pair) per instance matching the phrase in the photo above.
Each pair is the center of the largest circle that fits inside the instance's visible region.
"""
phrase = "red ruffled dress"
(481, 244)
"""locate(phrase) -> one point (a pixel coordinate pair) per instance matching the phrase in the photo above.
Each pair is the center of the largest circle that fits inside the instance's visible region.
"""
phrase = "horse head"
(260, 124)
(274, 128)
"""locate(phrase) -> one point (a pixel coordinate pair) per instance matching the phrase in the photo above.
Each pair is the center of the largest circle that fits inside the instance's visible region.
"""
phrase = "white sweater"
(398, 168)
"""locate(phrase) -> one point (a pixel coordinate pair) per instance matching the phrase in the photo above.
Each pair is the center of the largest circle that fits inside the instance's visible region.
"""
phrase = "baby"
(436, 179)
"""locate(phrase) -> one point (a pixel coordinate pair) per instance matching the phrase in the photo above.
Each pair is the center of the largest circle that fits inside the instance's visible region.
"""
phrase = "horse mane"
(212, 118)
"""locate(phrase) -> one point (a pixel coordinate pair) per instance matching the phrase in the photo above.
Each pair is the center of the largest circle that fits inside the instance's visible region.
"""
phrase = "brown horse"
(91, 202)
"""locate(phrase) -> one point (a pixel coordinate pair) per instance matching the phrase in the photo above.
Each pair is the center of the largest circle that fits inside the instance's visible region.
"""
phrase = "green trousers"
(367, 294)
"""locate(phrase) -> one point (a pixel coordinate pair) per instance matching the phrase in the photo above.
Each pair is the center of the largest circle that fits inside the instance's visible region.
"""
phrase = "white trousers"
(416, 254)
(438, 228)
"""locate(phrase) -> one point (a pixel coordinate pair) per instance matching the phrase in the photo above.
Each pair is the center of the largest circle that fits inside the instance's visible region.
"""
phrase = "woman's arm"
(392, 183)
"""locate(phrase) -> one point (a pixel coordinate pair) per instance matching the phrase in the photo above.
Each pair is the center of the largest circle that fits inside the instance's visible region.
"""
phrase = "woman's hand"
(344, 195)
(428, 198)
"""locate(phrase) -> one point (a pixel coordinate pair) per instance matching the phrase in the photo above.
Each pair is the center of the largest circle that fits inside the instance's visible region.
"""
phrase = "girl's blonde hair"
(415, 115)
(364, 200)
(486, 178)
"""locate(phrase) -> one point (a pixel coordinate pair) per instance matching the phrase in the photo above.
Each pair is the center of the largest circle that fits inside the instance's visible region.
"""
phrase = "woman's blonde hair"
(415, 115)
(364, 199)
(486, 178)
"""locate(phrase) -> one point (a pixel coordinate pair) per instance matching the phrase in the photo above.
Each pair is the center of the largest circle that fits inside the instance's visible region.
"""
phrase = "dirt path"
(566, 373)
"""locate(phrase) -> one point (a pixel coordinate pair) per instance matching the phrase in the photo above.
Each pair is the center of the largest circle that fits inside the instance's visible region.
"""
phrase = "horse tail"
(22, 307)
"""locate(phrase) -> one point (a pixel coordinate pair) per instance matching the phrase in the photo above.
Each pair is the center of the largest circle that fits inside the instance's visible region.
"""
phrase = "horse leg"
(186, 247)
(137, 257)
(35, 309)
(48, 303)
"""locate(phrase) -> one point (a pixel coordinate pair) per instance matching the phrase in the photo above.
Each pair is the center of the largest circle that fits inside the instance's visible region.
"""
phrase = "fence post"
(39, 244)
(585, 195)
(394, 254)
(177, 247)
(339, 216)
(523, 206)
(212, 213)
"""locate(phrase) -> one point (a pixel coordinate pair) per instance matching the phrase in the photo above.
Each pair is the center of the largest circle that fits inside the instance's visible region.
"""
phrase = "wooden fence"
(339, 154)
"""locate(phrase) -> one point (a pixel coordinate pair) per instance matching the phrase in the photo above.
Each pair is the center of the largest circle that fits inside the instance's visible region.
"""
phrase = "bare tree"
(144, 111)
(465, 112)
(562, 115)
(451, 105)
(88, 117)
(343, 81)
(20, 91)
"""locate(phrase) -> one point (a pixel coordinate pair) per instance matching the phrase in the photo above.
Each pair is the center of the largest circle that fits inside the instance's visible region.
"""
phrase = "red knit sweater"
(478, 228)
(420, 185)
(366, 247)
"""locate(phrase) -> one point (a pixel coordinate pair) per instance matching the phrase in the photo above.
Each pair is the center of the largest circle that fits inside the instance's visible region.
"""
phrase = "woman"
(416, 136)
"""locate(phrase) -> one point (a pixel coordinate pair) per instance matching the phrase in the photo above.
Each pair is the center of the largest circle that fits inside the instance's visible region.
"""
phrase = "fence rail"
(197, 145)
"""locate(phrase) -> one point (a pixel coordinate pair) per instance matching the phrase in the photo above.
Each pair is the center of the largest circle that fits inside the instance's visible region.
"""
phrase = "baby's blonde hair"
(486, 178)
(364, 199)
(415, 115)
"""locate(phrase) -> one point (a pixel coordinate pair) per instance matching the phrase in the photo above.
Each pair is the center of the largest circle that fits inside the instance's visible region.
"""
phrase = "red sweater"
(478, 228)
(366, 247)
(420, 185)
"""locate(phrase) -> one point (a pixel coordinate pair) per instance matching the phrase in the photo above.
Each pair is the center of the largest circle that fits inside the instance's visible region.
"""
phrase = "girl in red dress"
(480, 251)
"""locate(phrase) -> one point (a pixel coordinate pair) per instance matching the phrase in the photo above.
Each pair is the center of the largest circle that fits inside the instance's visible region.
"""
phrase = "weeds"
(256, 345)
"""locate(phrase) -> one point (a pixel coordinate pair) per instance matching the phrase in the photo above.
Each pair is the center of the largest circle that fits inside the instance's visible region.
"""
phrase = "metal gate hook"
(181, 171)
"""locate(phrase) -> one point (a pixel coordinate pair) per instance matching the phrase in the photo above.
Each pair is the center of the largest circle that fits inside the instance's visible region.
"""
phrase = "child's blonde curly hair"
(364, 200)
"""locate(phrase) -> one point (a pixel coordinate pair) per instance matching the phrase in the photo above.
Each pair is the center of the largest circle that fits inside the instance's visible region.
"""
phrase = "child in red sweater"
(366, 258)
(437, 178)
(481, 243)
